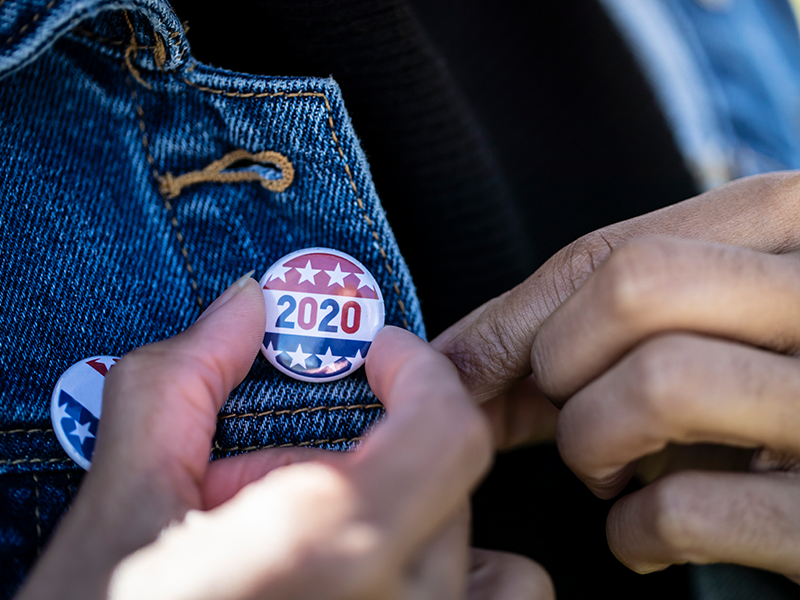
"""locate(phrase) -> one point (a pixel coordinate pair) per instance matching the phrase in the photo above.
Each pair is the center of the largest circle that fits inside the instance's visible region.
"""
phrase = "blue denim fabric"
(727, 75)
(96, 106)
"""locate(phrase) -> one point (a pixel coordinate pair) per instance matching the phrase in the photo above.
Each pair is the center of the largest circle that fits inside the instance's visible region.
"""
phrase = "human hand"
(648, 341)
(155, 519)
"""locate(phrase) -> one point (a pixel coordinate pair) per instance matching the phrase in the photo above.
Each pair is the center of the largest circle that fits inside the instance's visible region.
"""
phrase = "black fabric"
(577, 130)
(497, 132)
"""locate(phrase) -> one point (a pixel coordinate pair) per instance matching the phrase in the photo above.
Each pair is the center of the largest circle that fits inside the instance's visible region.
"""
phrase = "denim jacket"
(136, 185)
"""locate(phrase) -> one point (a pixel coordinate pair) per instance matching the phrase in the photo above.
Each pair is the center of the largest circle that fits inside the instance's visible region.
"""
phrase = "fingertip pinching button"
(76, 405)
(324, 308)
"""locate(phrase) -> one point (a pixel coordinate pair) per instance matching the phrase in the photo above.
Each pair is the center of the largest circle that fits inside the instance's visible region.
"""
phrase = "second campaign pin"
(76, 405)
(324, 308)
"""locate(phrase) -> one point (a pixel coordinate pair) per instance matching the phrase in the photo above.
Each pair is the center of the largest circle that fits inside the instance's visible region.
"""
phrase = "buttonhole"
(264, 171)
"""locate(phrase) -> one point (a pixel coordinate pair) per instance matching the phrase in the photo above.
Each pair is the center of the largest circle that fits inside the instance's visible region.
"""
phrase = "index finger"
(433, 446)
(491, 346)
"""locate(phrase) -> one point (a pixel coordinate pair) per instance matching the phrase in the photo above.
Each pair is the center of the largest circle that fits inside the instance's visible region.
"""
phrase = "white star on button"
(279, 272)
(337, 276)
(357, 359)
(307, 273)
(107, 362)
(81, 431)
(327, 359)
(298, 356)
(271, 353)
(364, 280)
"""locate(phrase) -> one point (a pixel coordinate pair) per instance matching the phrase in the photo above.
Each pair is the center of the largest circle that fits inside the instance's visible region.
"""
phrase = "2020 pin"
(324, 308)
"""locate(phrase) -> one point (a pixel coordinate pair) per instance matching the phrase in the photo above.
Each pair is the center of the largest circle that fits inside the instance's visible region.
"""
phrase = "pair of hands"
(671, 339)
(154, 519)
(645, 343)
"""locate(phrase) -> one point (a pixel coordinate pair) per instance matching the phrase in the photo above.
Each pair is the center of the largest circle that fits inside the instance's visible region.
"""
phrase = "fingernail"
(227, 295)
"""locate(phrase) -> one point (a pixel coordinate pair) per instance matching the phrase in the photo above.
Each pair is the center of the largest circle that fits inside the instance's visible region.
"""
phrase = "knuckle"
(583, 256)
(493, 349)
(658, 371)
(680, 516)
(499, 344)
(572, 265)
(779, 195)
(503, 335)
(636, 278)
(698, 517)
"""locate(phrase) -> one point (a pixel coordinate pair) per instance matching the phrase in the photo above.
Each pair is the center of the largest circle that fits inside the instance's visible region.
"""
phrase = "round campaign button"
(76, 406)
(324, 308)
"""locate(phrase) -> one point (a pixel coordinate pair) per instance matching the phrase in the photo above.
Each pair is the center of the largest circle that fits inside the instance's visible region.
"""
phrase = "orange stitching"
(131, 52)
(38, 516)
(158, 48)
(298, 411)
(159, 51)
(171, 186)
(167, 204)
(38, 430)
(35, 18)
(300, 445)
(21, 461)
(332, 127)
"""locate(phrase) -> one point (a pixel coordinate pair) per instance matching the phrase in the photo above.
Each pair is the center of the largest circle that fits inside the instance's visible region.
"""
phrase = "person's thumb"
(160, 405)
(160, 402)
(491, 347)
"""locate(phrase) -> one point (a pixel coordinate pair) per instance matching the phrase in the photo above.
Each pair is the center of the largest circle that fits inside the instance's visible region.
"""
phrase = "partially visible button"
(76, 406)
(324, 308)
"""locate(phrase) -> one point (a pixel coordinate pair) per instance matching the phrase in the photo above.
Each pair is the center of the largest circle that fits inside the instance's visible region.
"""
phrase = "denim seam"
(167, 204)
(332, 127)
(132, 53)
(298, 411)
(31, 461)
(38, 515)
(24, 28)
(290, 445)
(35, 430)
(131, 47)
